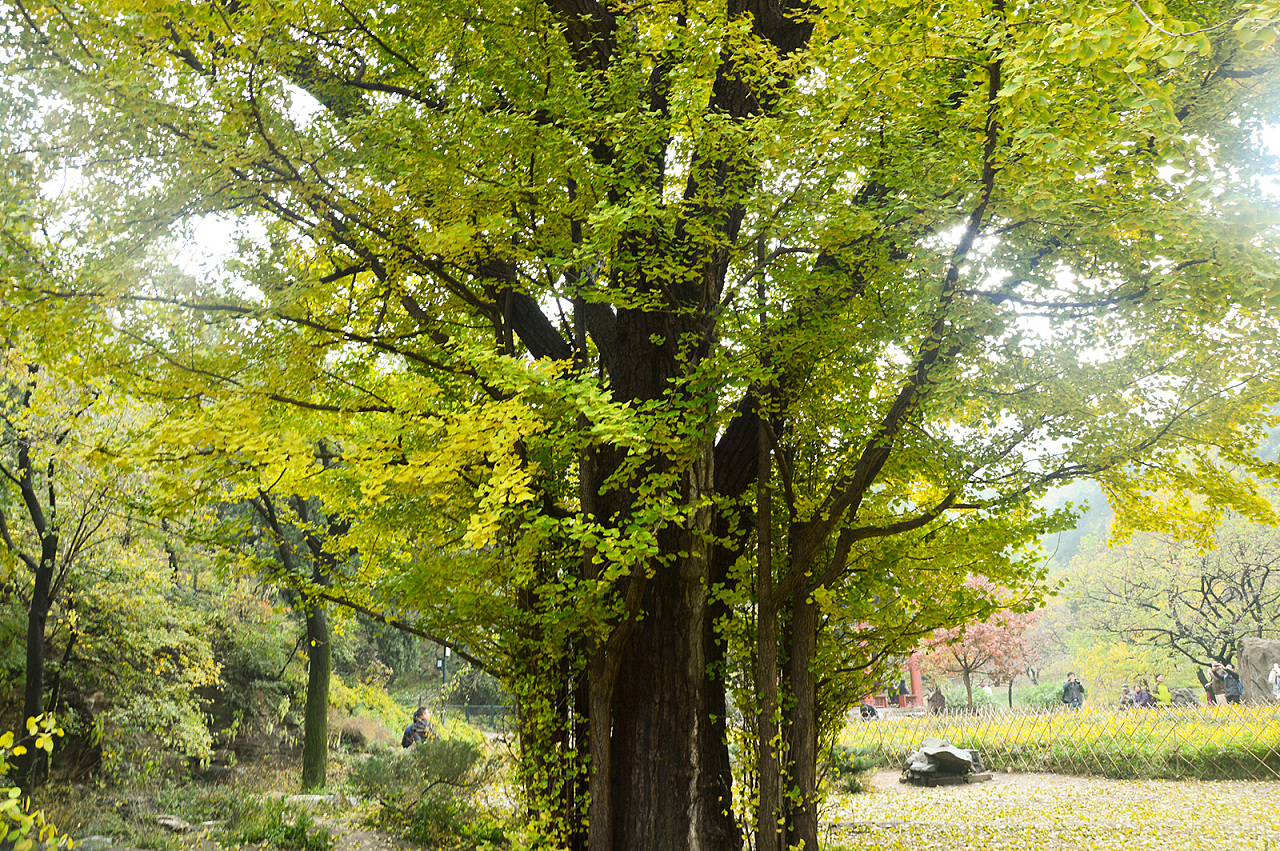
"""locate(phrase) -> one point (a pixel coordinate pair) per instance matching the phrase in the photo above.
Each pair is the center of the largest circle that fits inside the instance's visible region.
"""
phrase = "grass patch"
(129, 814)
(849, 767)
(255, 821)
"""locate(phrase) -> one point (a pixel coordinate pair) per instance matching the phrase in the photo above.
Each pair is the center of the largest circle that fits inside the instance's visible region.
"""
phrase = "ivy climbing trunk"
(669, 767)
(669, 779)
(802, 817)
(768, 835)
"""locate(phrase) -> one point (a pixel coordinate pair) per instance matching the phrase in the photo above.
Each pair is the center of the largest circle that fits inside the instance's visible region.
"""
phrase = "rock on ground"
(1253, 662)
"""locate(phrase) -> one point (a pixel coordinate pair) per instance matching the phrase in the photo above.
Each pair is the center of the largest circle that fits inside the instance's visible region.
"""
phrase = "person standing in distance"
(1231, 683)
(1073, 691)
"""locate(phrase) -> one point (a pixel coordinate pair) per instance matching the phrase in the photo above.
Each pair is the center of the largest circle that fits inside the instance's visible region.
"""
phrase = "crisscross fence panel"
(1207, 743)
(490, 718)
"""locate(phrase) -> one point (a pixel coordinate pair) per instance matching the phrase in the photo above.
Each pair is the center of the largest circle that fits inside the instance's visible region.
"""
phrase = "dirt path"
(1032, 811)
(351, 837)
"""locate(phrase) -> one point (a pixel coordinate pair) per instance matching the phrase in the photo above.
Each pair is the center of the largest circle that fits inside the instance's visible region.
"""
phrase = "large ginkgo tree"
(555, 281)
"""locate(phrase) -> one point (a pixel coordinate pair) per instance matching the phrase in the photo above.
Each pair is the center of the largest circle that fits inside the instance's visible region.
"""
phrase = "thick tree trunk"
(315, 725)
(669, 777)
(768, 769)
(769, 825)
(802, 818)
(600, 721)
(668, 774)
(670, 789)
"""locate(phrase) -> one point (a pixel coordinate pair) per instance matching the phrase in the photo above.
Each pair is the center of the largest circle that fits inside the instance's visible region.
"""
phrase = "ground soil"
(1055, 811)
(351, 837)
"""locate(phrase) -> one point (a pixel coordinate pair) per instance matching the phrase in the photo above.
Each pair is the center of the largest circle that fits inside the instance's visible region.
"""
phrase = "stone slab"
(1254, 659)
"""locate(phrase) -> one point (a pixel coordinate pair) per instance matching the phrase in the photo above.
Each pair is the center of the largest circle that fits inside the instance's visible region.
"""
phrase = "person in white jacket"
(1274, 679)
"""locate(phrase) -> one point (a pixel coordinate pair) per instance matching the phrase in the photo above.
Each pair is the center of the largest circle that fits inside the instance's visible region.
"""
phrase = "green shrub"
(958, 698)
(1046, 695)
(364, 700)
(426, 791)
(254, 821)
(261, 677)
(848, 767)
(400, 780)
(456, 729)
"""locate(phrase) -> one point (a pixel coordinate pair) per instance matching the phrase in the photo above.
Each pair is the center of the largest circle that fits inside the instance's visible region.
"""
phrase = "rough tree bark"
(315, 721)
(802, 721)
(668, 767)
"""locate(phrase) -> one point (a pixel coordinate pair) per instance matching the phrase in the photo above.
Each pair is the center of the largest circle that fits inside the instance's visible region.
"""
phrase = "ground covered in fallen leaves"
(1033, 811)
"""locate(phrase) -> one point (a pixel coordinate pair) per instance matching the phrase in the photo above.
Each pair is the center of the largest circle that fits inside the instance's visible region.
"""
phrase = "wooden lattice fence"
(490, 718)
(1214, 743)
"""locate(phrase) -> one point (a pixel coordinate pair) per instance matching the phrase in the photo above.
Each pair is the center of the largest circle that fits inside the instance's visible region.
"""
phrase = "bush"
(958, 698)
(848, 767)
(275, 823)
(361, 733)
(261, 675)
(1043, 696)
(17, 826)
(427, 791)
(364, 700)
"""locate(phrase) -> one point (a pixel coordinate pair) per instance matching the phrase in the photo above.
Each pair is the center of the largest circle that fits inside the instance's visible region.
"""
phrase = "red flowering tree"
(999, 647)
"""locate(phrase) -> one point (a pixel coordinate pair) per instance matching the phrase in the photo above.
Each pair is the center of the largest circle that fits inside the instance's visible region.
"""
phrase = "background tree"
(993, 647)
(315, 533)
(1192, 600)
(1107, 665)
(1022, 652)
(54, 505)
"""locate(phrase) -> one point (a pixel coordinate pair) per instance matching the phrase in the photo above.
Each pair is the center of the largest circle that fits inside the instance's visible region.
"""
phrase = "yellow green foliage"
(1107, 665)
(148, 652)
(365, 700)
(18, 825)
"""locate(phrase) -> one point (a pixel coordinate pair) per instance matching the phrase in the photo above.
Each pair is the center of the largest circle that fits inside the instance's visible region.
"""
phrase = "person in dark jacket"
(1073, 691)
(1216, 685)
(1231, 683)
(420, 730)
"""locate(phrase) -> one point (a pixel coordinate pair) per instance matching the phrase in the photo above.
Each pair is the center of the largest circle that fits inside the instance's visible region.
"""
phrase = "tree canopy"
(1192, 600)
(557, 282)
